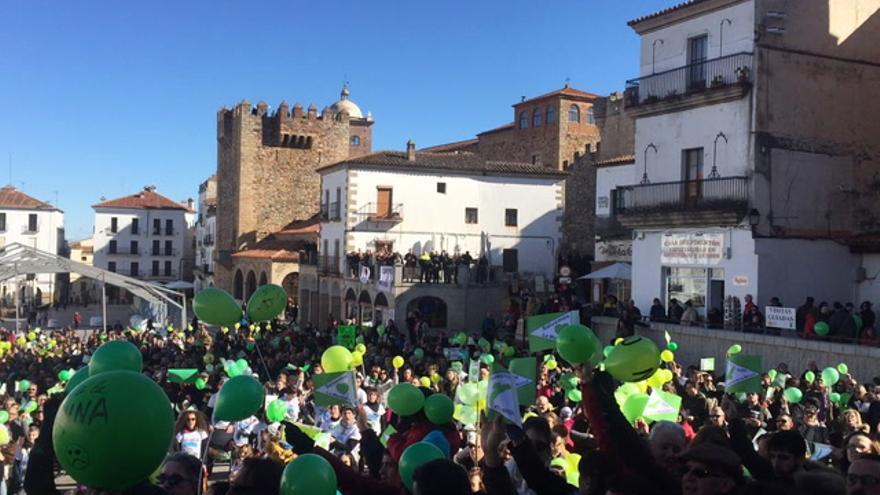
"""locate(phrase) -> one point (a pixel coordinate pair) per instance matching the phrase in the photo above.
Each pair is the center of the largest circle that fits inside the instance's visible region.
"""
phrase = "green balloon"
(809, 377)
(116, 355)
(30, 406)
(23, 385)
(276, 411)
(569, 381)
(113, 430)
(577, 344)
(64, 375)
(439, 409)
(734, 349)
(405, 399)
(414, 456)
(4, 417)
(772, 374)
(419, 353)
(634, 406)
(835, 397)
(308, 474)
(77, 378)
(634, 359)
(607, 350)
(574, 395)
(487, 358)
(200, 384)
(336, 358)
(240, 397)
(830, 376)
(672, 346)
(266, 303)
(216, 307)
(843, 368)
(821, 328)
(468, 393)
(793, 395)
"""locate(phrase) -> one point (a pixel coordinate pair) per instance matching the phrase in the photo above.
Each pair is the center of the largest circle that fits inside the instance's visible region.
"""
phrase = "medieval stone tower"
(266, 165)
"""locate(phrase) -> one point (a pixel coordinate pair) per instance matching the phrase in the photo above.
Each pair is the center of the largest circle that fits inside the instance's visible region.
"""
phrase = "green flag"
(386, 435)
(707, 364)
(542, 329)
(743, 374)
(182, 375)
(335, 388)
(345, 336)
(524, 369)
(662, 406)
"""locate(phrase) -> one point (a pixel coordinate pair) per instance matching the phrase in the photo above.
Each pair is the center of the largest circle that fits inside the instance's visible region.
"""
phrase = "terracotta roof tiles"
(13, 199)
(454, 162)
(148, 199)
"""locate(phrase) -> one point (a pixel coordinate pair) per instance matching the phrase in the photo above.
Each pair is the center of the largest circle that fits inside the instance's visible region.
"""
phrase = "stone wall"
(617, 128)
(578, 219)
(695, 343)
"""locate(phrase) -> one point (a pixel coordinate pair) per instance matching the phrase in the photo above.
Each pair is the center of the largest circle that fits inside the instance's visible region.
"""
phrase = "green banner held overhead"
(525, 371)
(182, 375)
(335, 389)
(543, 329)
(662, 406)
(345, 336)
(743, 374)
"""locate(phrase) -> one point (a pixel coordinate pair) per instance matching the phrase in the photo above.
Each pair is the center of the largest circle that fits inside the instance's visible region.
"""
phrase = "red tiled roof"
(449, 147)
(148, 199)
(617, 160)
(505, 127)
(665, 11)
(467, 163)
(566, 91)
(12, 198)
(270, 254)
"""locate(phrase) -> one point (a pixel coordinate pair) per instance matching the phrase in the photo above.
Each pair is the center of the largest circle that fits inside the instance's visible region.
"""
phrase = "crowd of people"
(431, 267)
(569, 443)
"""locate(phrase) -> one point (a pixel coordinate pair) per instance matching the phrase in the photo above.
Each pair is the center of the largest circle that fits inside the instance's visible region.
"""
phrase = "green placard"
(707, 364)
(543, 329)
(182, 375)
(335, 388)
(345, 336)
(743, 374)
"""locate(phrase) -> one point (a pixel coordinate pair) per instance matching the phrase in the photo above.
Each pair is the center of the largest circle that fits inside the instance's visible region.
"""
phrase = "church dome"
(347, 105)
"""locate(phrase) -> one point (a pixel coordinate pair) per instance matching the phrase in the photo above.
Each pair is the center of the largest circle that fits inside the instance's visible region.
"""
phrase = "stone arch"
(381, 301)
(238, 285)
(431, 309)
(263, 279)
(250, 285)
(291, 286)
(365, 298)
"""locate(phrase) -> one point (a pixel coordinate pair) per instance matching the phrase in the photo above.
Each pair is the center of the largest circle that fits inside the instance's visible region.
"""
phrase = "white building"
(143, 235)
(206, 230)
(431, 202)
(745, 178)
(31, 222)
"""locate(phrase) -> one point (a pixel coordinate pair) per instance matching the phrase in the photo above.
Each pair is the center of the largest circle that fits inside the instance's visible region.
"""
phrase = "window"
(590, 118)
(696, 57)
(471, 215)
(355, 140)
(167, 268)
(111, 266)
(114, 225)
(574, 113)
(135, 268)
(112, 247)
(536, 159)
(32, 222)
(2, 222)
(168, 249)
(157, 226)
(155, 250)
(523, 120)
(536, 118)
(135, 226)
(510, 217)
(441, 187)
(169, 227)
(133, 247)
(551, 114)
(510, 260)
(155, 271)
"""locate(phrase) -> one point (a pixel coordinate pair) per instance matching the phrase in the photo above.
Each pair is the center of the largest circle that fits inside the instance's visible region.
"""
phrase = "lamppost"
(714, 173)
(721, 36)
(645, 174)
(654, 52)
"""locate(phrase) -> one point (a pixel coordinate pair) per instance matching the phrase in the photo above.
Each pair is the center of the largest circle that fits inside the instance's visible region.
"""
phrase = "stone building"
(266, 181)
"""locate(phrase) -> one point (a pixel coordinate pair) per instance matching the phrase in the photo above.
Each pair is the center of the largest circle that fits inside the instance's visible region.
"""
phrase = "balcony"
(328, 264)
(711, 81)
(28, 230)
(693, 202)
(387, 214)
(124, 252)
(208, 240)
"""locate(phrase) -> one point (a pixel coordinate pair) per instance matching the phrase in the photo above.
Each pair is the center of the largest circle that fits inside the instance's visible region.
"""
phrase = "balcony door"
(696, 53)
(383, 202)
(692, 162)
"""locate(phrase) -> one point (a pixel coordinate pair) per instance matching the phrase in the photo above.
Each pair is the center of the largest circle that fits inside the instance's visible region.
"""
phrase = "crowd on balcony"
(428, 267)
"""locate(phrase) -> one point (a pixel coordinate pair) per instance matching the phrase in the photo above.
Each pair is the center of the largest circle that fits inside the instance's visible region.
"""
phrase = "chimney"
(411, 150)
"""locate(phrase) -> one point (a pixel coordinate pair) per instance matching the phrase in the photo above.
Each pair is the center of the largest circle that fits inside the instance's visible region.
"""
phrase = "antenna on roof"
(567, 81)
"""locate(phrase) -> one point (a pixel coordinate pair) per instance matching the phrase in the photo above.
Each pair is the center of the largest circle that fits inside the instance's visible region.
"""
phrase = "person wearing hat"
(711, 470)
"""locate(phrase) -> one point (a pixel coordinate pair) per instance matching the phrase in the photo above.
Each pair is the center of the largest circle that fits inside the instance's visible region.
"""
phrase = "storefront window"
(687, 284)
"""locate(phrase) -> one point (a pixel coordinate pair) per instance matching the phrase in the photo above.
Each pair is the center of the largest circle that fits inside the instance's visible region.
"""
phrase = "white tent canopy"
(620, 271)
(18, 260)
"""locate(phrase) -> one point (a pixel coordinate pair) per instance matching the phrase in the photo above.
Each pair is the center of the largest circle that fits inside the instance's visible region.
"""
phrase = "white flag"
(503, 397)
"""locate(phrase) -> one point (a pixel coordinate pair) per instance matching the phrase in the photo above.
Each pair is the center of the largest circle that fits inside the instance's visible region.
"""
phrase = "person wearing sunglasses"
(191, 433)
(181, 475)
(710, 470)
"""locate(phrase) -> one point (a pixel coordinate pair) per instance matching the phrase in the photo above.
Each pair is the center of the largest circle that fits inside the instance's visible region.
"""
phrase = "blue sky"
(99, 99)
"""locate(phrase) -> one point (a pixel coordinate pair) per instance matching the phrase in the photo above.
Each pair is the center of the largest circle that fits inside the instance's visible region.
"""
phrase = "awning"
(179, 284)
(620, 271)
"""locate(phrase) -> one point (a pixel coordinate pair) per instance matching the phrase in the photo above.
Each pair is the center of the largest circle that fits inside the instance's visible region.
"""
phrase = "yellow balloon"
(551, 364)
(397, 362)
(361, 348)
(225, 330)
(618, 340)
(667, 356)
(4, 435)
(435, 378)
(425, 382)
(655, 380)
(31, 336)
(357, 358)
(20, 341)
(666, 376)
(643, 385)
(237, 326)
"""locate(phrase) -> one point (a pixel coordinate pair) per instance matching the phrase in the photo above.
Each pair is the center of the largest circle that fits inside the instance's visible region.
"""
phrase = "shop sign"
(740, 280)
(692, 249)
(614, 251)
(780, 317)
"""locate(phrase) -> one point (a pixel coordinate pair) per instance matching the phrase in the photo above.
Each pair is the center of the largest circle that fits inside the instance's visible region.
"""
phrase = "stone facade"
(266, 170)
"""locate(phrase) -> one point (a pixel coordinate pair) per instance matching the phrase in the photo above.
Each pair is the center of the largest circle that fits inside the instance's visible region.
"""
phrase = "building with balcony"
(756, 153)
(34, 223)
(143, 236)
(83, 289)
(388, 204)
(205, 234)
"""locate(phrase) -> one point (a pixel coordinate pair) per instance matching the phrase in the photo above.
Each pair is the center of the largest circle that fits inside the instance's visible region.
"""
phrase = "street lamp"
(714, 173)
(645, 175)
(653, 52)
(754, 218)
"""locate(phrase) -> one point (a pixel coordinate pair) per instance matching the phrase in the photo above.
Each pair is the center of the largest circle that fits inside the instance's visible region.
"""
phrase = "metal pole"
(183, 324)
(17, 307)
(104, 301)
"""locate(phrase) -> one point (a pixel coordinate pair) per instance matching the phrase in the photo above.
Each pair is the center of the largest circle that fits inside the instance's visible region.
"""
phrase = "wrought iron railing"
(334, 211)
(693, 78)
(705, 194)
(328, 264)
(372, 213)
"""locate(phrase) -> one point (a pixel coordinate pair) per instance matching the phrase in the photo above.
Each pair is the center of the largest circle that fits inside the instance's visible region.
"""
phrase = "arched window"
(263, 280)
(523, 120)
(574, 113)
(551, 115)
(250, 285)
(590, 115)
(355, 140)
(536, 118)
(430, 309)
(238, 286)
